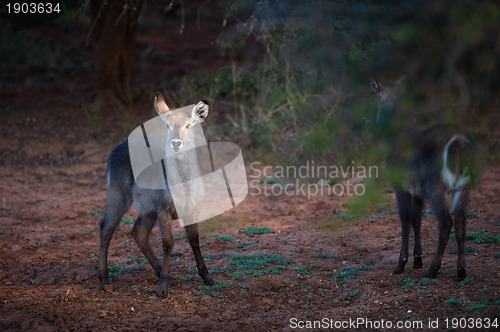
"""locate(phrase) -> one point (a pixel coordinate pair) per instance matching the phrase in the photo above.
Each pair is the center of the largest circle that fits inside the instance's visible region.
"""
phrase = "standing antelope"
(438, 164)
(151, 204)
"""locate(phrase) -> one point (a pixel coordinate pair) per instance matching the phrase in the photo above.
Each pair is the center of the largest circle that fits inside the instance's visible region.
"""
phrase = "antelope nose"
(176, 143)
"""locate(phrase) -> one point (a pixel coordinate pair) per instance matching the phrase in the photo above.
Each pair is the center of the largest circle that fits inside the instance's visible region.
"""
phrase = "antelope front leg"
(167, 244)
(194, 241)
(404, 206)
(417, 205)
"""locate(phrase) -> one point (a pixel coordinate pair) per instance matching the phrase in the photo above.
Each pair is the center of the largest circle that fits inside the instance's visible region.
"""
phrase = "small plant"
(222, 237)
(482, 237)
(180, 236)
(479, 305)
(471, 214)
(453, 301)
(237, 275)
(2, 232)
(449, 271)
(257, 265)
(497, 255)
(321, 255)
(256, 230)
(214, 290)
(309, 297)
(301, 270)
(354, 293)
(96, 213)
(422, 291)
(348, 273)
(56, 237)
(85, 232)
(427, 281)
(465, 282)
(128, 221)
(39, 243)
(406, 282)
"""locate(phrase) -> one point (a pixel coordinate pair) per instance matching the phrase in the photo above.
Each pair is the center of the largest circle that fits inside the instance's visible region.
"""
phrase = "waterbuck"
(432, 163)
(151, 204)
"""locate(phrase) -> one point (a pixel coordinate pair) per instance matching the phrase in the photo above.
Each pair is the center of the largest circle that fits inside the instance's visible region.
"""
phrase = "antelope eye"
(187, 126)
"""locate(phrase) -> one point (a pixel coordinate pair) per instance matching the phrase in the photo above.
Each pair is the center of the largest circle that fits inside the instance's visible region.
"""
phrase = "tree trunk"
(113, 33)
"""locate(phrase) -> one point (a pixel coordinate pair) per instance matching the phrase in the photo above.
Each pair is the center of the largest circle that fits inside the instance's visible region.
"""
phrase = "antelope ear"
(161, 106)
(376, 88)
(200, 111)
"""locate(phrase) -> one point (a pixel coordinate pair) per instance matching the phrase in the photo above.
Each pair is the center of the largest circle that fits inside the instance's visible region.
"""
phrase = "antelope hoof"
(461, 274)
(162, 290)
(104, 281)
(401, 266)
(431, 273)
(208, 280)
(417, 263)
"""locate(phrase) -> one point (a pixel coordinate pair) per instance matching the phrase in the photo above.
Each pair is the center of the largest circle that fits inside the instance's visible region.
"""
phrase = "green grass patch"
(354, 293)
(301, 270)
(496, 255)
(465, 281)
(428, 281)
(449, 271)
(344, 216)
(479, 305)
(96, 213)
(180, 236)
(127, 221)
(471, 214)
(222, 237)
(238, 275)
(118, 269)
(406, 282)
(322, 255)
(423, 291)
(482, 237)
(2, 232)
(257, 230)
(348, 273)
(258, 264)
(454, 301)
(214, 290)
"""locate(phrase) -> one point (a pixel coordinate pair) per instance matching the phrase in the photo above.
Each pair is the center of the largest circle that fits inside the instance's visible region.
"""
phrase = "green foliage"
(257, 230)
(322, 255)
(96, 213)
(479, 305)
(2, 232)
(482, 237)
(454, 301)
(214, 290)
(465, 281)
(348, 273)
(128, 221)
(258, 264)
(222, 237)
(427, 282)
(301, 270)
(406, 282)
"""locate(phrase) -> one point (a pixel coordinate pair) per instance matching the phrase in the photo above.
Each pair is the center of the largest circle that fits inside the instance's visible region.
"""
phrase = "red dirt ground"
(52, 176)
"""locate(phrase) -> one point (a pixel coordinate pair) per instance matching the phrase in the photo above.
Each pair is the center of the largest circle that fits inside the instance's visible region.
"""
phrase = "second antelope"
(152, 204)
(436, 163)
